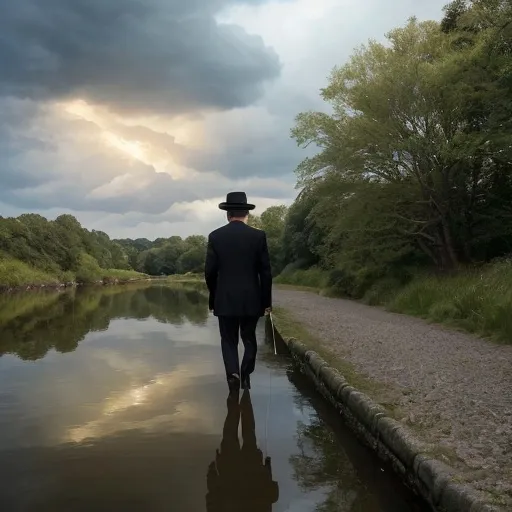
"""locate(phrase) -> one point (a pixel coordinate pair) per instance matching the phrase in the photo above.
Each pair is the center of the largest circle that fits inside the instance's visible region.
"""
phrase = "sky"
(138, 116)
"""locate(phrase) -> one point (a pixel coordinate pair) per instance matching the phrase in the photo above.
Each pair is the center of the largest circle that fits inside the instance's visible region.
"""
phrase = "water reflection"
(113, 399)
(31, 324)
(328, 458)
(239, 478)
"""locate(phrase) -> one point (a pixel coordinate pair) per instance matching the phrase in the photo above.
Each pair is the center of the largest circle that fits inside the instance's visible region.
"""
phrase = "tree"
(300, 241)
(453, 13)
(419, 136)
(198, 241)
(192, 260)
(254, 221)
(272, 222)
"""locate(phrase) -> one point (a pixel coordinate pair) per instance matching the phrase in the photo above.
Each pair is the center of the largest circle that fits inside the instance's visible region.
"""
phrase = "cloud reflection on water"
(115, 412)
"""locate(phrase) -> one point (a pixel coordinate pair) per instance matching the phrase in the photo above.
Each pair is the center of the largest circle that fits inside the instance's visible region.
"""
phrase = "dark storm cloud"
(132, 55)
(154, 197)
(271, 156)
(275, 160)
(16, 144)
(81, 173)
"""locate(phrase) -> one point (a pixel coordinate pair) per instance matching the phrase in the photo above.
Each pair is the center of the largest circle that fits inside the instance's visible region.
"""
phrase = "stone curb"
(431, 478)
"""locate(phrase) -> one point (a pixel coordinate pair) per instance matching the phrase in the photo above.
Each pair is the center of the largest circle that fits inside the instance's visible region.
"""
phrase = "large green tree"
(272, 221)
(412, 148)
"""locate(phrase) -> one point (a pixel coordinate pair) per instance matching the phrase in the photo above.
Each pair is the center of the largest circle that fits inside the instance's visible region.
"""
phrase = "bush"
(121, 275)
(342, 282)
(89, 270)
(296, 265)
(382, 291)
(313, 277)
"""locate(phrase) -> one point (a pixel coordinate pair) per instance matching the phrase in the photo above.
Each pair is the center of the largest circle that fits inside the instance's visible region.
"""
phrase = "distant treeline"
(175, 255)
(37, 251)
(165, 256)
(34, 251)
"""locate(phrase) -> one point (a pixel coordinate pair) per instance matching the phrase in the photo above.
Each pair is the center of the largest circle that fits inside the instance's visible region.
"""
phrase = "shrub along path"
(453, 390)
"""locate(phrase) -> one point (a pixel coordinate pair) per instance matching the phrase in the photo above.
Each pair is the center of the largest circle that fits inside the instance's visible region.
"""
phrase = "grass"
(476, 301)
(122, 275)
(17, 274)
(382, 393)
(186, 278)
(313, 277)
(14, 273)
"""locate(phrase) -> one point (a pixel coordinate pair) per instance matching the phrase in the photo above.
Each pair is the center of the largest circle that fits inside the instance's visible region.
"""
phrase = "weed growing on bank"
(189, 277)
(313, 277)
(15, 273)
(477, 301)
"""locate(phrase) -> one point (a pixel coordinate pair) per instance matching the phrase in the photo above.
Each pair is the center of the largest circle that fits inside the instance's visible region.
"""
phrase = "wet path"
(114, 399)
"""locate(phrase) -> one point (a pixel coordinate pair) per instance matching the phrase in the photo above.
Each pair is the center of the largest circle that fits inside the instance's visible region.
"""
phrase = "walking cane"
(273, 332)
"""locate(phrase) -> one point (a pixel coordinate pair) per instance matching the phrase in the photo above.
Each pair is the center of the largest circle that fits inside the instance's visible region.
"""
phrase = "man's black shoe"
(246, 382)
(233, 383)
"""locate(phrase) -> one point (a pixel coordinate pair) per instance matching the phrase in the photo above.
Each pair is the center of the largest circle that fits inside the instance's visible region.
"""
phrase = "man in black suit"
(239, 279)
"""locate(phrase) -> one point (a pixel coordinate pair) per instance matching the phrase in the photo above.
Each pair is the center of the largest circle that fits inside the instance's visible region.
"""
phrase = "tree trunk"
(450, 258)
(428, 251)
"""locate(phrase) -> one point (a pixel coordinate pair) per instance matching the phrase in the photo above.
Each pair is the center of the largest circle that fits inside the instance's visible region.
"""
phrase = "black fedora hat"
(236, 201)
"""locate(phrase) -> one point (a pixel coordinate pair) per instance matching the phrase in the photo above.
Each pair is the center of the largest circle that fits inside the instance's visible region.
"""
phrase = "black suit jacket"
(237, 271)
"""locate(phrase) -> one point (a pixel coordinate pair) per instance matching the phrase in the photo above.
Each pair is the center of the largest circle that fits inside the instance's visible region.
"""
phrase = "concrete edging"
(431, 478)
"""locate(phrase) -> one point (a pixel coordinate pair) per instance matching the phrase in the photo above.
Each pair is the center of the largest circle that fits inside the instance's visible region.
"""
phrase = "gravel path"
(453, 389)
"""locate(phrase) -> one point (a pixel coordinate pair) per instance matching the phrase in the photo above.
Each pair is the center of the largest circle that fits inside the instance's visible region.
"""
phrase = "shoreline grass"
(190, 277)
(478, 301)
(15, 274)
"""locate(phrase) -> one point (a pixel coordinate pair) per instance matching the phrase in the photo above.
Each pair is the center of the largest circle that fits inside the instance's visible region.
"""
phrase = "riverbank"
(189, 277)
(478, 301)
(16, 275)
(451, 390)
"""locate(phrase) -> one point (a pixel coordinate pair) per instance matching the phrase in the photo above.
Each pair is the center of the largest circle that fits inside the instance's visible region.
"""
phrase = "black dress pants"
(231, 328)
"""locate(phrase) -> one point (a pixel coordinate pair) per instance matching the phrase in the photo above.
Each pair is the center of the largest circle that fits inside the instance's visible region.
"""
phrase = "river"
(114, 399)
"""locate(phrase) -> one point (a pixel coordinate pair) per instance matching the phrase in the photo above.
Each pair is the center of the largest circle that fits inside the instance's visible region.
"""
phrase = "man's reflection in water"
(239, 478)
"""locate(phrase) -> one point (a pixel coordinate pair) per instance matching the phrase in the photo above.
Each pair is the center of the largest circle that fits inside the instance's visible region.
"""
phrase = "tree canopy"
(413, 162)
(61, 247)
(166, 256)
